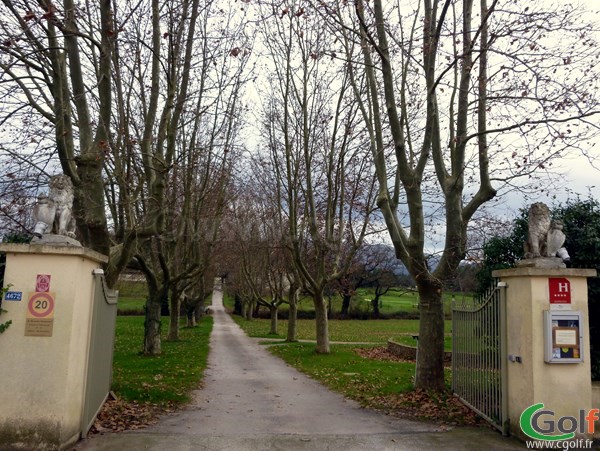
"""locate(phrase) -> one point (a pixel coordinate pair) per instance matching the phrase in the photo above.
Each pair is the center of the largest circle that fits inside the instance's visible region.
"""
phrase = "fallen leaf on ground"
(444, 409)
(380, 353)
(118, 415)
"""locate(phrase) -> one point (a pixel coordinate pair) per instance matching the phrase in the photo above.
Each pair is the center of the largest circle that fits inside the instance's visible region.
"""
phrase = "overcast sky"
(578, 174)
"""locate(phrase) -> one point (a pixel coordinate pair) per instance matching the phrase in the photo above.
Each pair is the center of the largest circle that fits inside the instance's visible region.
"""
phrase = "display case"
(563, 336)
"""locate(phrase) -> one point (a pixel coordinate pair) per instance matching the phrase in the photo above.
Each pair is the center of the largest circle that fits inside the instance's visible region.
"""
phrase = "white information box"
(563, 336)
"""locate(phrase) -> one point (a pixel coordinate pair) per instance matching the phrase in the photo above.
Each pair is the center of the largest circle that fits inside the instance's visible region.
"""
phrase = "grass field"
(345, 371)
(355, 331)
(380, 384)
(131, 304)
(132, 296)
(395, 302)
(163, 379)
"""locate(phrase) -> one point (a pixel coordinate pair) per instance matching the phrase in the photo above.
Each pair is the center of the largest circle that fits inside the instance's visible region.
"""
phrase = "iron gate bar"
(479, 366)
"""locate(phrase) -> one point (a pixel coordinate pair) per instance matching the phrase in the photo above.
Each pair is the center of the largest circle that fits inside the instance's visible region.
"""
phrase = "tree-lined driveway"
(251, 400)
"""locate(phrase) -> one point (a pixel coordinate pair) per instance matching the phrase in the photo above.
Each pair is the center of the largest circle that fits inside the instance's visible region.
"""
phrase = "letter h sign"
(560, 290)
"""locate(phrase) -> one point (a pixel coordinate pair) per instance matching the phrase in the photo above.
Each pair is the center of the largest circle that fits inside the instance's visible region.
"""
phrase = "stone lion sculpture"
(545, 237)
(53, 213)
(539, 224)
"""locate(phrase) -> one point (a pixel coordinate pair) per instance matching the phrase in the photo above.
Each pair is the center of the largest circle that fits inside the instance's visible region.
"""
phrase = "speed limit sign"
(41, 305)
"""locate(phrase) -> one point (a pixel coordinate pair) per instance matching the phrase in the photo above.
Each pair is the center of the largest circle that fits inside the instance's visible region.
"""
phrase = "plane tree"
(310, 127)
(56, 76)
(376, 267)
(137, 102)
(461, 99)
(259, 265)
(179, 140)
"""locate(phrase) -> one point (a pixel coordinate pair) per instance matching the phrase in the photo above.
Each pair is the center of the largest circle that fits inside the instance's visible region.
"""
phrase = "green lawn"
(132, 288)
(358, 331)
(403, 300)
(345, 371)
(132, 296)
(131, 304)
(394, 302)
(168, 378)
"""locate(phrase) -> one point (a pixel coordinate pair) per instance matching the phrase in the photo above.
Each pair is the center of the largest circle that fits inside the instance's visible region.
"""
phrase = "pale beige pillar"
(564, 388)
(42, 378)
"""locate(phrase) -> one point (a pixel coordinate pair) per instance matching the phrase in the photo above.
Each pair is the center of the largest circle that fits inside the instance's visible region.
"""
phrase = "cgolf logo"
(540, 424)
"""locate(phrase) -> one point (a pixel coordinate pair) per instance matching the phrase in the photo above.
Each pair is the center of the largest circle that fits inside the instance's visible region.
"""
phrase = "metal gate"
(100, 358)
(479, 362)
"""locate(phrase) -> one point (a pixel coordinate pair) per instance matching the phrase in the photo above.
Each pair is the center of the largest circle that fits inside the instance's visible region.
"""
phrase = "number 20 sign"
(41, 305)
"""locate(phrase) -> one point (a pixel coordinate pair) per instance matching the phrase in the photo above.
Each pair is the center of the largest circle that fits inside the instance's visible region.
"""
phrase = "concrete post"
(564, 388)
(44, 352)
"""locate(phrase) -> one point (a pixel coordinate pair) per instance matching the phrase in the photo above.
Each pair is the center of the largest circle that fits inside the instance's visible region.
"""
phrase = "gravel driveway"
(251, 400)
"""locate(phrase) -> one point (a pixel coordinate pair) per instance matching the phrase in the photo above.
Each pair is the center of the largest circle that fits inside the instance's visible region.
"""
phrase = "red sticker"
(42, 283)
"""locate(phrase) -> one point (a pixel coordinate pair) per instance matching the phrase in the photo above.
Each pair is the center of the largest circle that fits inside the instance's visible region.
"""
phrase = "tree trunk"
(375, 305)
(88, 204)
(430, 362)
(199, 310)
(191, 318)
(174, 306)
(246, 310)
(152, 323)
(273, 310)
(164, 305)
(292, 316)
(346, 297)
(255, 309)
(238, 306)
(321, 323)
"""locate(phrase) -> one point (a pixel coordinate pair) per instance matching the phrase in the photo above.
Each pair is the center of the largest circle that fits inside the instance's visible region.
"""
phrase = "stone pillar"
(564, 388)
(44, 352)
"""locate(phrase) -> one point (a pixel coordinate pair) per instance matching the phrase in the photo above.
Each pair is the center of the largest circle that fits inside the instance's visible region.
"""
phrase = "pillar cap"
(13, 248)
(544, 272)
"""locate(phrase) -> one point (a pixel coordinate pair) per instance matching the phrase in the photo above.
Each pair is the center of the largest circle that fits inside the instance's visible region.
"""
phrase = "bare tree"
(186, 131)
(260, 257)
(139, 97)
(374, 266)
(322, 170)
(56, 72)
(460, 99)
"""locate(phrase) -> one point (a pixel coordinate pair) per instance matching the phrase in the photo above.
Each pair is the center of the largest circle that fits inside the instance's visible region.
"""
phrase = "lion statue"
(52, 213)
(539, 225)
